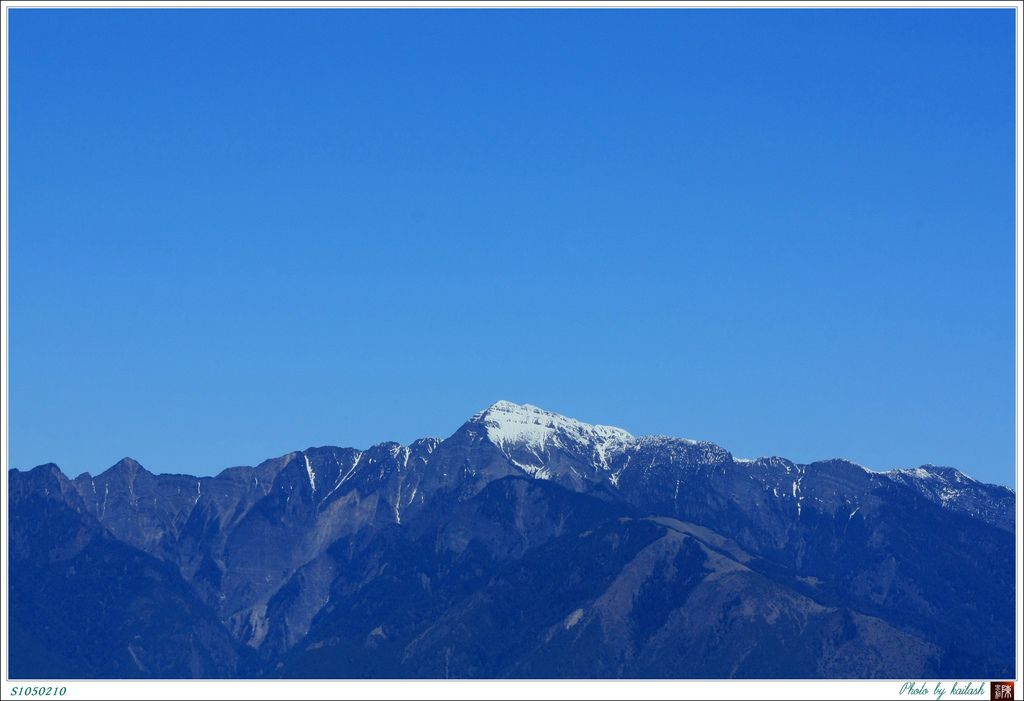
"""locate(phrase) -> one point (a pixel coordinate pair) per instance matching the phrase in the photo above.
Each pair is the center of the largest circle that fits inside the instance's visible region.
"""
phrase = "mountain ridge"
(293, 556)
(536, 434)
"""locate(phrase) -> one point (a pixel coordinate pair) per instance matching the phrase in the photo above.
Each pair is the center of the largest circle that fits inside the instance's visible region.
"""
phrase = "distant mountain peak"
(126, 464)
(524, 425)
(951, 488)
(937, 472)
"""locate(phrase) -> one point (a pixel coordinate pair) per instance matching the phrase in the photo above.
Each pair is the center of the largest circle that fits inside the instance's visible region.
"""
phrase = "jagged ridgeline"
(526, 544)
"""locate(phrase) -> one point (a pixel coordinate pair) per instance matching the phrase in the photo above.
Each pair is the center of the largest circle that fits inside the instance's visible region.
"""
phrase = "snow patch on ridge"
(572, 619)
(309, 471)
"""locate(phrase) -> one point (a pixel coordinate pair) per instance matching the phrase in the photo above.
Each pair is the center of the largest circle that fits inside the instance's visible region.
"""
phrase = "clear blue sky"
(239, 233)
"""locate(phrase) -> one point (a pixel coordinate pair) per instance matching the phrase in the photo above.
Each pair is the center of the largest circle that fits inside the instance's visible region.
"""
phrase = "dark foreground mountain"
(526, 544)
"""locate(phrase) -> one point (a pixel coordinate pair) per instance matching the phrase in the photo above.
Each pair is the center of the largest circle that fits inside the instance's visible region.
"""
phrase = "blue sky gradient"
(239, 233)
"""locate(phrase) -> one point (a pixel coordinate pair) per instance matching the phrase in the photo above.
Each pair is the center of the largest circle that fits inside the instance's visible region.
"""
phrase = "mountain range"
(525, 545)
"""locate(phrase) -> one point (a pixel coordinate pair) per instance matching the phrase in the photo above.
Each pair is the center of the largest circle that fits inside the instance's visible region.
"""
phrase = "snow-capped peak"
(526, 426)
(934, 473)
(954, 490)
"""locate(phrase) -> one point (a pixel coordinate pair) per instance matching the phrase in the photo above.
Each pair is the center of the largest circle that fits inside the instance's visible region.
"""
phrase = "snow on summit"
(526, 426)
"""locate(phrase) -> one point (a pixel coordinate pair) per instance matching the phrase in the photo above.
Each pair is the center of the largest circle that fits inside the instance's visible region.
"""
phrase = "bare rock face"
(527, 544)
